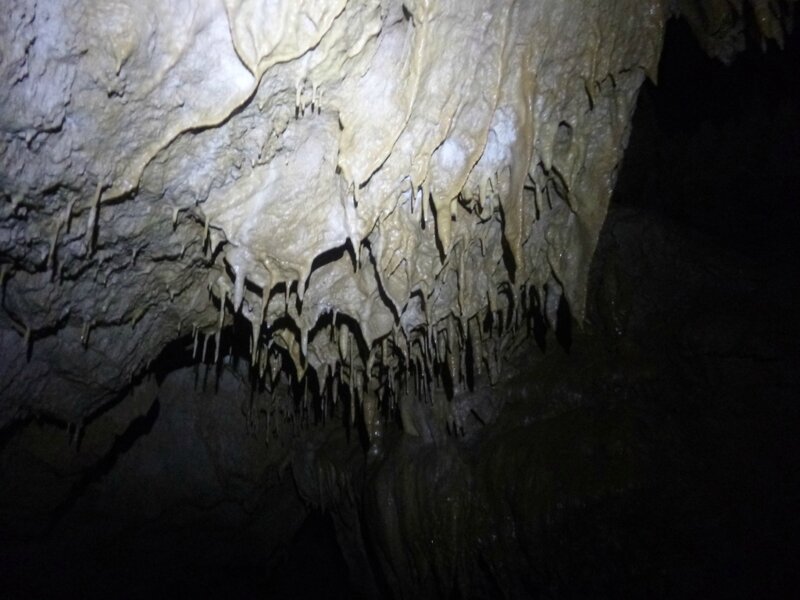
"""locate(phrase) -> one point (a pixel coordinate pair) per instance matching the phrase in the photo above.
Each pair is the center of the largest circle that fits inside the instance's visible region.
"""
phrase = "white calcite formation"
(381, 189)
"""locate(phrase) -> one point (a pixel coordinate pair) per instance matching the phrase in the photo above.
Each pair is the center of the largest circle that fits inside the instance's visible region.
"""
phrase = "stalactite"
(51, 256)
(87, 326)
(553, 292)
(205, 232)
(26, 338)
(454, 352)
(423, 203)
(443, 222)
(93, 215)
(238, 287)
(205, 348)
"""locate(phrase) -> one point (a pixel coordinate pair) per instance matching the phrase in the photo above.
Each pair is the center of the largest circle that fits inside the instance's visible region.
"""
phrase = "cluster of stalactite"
(386, 191)
(397, 242)
(440, 343)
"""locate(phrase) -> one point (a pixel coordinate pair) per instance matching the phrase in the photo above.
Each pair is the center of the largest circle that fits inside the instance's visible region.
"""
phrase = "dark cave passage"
(717, 148)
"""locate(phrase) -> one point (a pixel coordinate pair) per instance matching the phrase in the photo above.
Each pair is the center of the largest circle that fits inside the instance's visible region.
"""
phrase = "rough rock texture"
(367, 183)
(379, 207)
(373, 185)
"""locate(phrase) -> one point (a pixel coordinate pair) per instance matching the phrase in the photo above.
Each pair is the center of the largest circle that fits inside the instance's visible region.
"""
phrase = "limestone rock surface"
(377, 189)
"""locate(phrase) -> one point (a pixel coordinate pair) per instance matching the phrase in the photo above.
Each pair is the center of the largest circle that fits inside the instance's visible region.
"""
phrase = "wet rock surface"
(360, 183)
(645, 451)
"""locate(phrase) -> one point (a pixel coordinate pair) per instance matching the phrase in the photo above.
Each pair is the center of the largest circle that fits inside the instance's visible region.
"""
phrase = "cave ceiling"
(371, 190)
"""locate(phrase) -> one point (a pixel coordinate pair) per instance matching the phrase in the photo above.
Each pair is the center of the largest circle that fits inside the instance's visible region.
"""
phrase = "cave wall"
(369, 201)
(365, 183)
(372, 186)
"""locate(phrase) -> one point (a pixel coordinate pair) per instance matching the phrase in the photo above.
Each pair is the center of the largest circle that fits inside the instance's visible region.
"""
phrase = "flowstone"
(386, 191)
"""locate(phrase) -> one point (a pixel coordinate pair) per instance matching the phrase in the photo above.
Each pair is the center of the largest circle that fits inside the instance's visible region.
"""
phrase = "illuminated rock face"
(374, 186)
